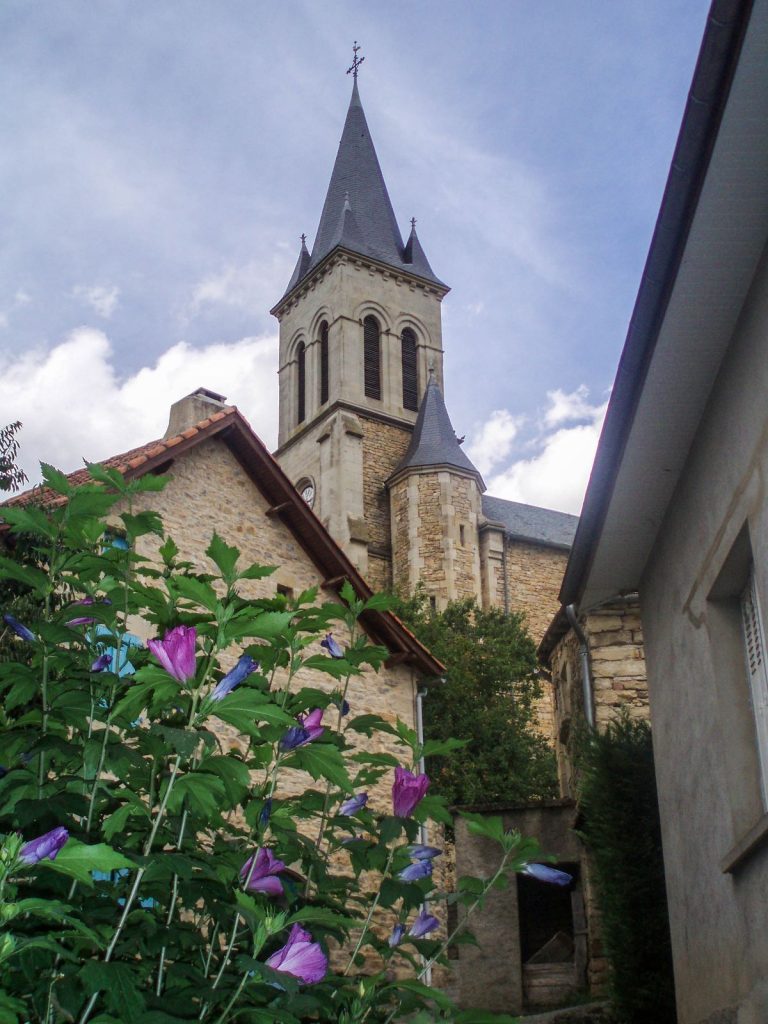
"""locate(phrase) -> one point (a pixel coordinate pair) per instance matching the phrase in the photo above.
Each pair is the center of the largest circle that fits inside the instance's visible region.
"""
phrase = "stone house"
(675, 526)
(223, 479)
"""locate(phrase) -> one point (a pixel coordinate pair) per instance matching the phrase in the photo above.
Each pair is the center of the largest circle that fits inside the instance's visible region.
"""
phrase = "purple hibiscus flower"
(263, 876)
(245, 666)
(420, 852)
(300, 957)
(543, 873)
(102, 663)
(397, 935)
(176, 652)
(423, 924)
(47, 845)
(407, 790)
(419, 869)
(19, 628)
(354, 804)
(308, 730)
(86, 620)
(330, 645)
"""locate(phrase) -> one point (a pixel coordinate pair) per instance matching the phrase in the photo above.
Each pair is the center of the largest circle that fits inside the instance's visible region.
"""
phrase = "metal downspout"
(586, 675)
(504, 571)
(423, 834)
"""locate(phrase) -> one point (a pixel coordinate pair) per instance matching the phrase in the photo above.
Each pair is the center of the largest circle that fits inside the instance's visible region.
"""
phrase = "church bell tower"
(360, 338)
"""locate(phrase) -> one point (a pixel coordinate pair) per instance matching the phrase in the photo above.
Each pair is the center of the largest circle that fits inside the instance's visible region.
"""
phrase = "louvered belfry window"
(410, 375)
(754, 641)
(372, 357)
(301, 381)
(323, 362)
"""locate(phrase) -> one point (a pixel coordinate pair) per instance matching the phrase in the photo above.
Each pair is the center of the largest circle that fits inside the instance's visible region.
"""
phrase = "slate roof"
(528, 522)
(357, 213)
(434, 442)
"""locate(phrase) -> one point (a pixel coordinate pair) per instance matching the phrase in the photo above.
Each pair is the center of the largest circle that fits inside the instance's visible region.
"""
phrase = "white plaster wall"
(700, 701)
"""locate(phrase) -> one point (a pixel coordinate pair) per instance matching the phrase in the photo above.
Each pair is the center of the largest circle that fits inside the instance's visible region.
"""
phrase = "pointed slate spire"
(369, 226)
(302, 264)
(415, 255)
(434, 442)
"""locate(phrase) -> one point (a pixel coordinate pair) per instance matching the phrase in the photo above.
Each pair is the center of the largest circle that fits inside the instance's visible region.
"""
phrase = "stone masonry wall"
(384, 445)
(534, 576)
(208, 491)
(617, 665)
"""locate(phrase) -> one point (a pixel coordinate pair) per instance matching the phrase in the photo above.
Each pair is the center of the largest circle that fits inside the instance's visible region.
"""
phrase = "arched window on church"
(372, 357)
(323, 362)
(301, 382)
(410, 374)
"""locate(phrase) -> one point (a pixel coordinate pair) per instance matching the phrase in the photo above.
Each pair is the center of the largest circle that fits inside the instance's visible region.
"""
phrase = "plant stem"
(172, 906)
(235, 996)
(135, 887)
(370, 913)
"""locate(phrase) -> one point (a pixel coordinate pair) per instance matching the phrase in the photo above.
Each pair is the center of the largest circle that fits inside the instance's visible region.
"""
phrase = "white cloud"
(493, 441)
(251, 286)
(556, 474)
(74, 405)
(98, 297)
(22, 298)
(565, 407)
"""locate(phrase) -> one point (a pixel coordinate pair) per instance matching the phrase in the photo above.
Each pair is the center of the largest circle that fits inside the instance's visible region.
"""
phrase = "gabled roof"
(357, 213)
(434, 441)
(531, 523)
(231, 427)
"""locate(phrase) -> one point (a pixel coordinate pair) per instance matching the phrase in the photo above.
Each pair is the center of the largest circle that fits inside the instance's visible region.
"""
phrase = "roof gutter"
(720, 50)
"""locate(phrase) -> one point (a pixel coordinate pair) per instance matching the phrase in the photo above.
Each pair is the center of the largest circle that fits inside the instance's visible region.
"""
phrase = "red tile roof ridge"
(122, 462)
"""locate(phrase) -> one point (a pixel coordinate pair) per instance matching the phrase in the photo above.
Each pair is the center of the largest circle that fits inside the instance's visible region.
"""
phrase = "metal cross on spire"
(357, 61)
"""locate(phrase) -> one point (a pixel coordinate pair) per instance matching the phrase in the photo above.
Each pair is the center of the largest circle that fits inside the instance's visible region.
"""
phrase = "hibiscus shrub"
(148, 871)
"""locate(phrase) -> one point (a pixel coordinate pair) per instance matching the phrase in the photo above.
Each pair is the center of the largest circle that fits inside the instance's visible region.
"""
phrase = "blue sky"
(158, 162)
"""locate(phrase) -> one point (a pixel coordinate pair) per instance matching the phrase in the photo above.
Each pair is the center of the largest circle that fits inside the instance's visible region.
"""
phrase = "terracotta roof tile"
(131, 459)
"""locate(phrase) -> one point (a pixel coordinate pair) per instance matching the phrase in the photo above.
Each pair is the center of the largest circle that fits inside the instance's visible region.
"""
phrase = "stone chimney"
(195, 407)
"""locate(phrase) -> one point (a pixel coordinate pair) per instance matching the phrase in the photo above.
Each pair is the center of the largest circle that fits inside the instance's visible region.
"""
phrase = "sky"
(159, 161)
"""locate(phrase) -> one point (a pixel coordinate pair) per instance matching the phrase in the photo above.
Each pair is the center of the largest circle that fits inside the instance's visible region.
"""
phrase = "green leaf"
(434, 995)
(348, 593)
(55, 479)
(116, 822)
(490, 826)
(245, 708)
(205, 793)
(106, 475)
(433, 807)
(233, 773)
(385, 760)
(380, 603)
(257, 572)
(195, 590)
(78, 860)
(143, 523)
(30, 520)
(368, 724)
(120, 987)
(27, 574)
(433, 748)
(224, 556)
(322, 916)
(322, 761)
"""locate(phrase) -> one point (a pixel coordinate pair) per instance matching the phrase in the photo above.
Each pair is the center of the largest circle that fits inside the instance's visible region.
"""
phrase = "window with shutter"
(410, 375)
(372, 357)
(754, 642)
(301, 379)
(323, 362)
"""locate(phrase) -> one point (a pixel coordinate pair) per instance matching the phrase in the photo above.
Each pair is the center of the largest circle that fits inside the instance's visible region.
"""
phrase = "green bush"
(149, 871)
(620, 815)
(488, 697)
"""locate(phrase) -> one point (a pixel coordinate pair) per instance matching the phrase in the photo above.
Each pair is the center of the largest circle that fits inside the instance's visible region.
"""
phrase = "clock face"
(307, 491)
